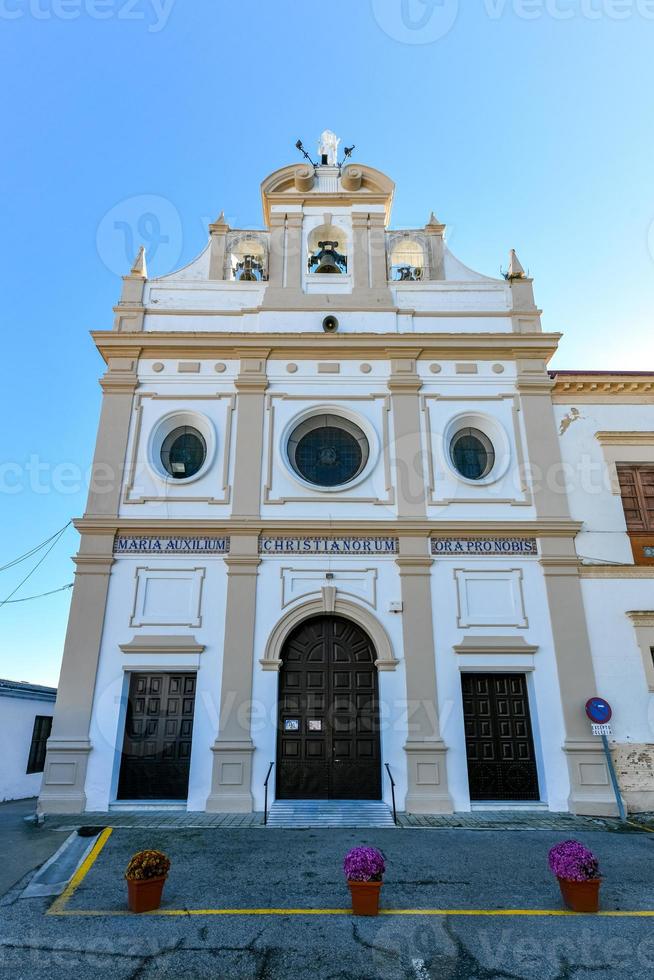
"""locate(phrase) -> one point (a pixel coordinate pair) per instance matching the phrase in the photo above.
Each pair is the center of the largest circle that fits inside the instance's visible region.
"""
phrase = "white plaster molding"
(333, 407)
(162, 644)
(138, 457)
(495, 645)
(625, 447)
(359, 583)
(173, 615)
(272, 658)
(514, 613)
(440, 450)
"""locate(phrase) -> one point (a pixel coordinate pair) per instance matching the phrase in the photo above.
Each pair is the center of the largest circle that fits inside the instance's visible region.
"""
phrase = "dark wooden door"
(158, 733)
(328, 720)
(499, 743)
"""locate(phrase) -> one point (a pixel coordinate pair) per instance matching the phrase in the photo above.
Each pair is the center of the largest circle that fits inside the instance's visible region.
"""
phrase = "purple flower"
(573, 862)
(364, 864)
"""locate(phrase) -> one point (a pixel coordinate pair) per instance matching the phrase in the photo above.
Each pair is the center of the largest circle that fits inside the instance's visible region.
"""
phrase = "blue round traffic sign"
(599, 710)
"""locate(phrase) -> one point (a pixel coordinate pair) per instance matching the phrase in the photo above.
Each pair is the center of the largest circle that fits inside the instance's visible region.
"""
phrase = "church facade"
(344, 521)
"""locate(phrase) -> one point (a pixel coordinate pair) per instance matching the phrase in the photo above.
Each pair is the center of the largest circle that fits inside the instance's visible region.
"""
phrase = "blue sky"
(521, 123)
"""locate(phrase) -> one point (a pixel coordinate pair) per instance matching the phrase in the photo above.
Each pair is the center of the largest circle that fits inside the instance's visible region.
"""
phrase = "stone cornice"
(601, 387)
(625, 438)
(395, 527)
(641, 617)
(450, 346)
(616, 571)
(346, 303)
(162, 644)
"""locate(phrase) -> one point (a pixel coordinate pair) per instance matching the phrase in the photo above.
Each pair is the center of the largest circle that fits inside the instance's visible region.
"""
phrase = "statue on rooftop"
(328, 148)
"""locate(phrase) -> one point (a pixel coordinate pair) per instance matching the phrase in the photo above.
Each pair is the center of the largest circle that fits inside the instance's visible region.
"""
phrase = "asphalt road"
(23, 846)
(263, 869)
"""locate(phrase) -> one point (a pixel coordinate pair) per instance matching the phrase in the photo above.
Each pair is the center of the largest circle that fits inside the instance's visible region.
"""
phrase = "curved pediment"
(301, 183)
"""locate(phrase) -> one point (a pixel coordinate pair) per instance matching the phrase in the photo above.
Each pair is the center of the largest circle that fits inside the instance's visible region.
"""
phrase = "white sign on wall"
(484, 546)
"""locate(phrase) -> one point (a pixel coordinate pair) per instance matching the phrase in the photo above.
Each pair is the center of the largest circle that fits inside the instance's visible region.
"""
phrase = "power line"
(33, 551)
(32, 570)
(62, 588)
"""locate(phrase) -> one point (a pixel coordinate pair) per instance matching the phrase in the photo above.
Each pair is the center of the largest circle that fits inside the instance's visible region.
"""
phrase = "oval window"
(472, 454)
(328, 450)
(183, 452)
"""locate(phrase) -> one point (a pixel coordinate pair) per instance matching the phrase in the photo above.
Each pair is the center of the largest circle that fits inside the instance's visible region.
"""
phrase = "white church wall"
(183, 394)
(271, 593)
(335, 388)
(108, 722)
(215, 317)
(472, 395)
(531, 623)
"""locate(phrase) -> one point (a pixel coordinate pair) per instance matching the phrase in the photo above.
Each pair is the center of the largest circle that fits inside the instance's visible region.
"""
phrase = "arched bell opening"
(247, 260)
(328, 726)
(327, 250)
(407, 261)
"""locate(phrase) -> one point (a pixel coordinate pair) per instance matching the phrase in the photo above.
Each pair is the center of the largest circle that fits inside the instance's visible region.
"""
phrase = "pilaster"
(434, 232)
(218, 237)
(284, 287)
(69, 745)
(251, 384)
(118, 385)
(361, 254)
(377, 248)
(130, 310)
(590, 787)
(232, 751)
(407, 454)
(427, 790)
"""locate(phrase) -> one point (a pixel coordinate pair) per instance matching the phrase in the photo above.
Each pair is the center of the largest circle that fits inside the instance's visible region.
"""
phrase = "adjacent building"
(25, 722)
(344, 520)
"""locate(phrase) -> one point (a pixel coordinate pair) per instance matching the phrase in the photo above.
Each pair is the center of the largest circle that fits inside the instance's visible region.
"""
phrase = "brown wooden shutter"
(637, 490)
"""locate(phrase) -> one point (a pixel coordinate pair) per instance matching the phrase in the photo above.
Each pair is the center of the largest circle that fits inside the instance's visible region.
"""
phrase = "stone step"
(329, 813)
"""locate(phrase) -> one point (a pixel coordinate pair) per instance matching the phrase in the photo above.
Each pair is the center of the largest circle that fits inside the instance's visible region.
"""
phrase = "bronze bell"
(328, 260)
(246, 269)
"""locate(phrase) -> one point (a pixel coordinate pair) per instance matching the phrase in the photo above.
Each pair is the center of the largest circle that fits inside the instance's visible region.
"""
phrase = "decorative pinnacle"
(140, 268)
(515, 270)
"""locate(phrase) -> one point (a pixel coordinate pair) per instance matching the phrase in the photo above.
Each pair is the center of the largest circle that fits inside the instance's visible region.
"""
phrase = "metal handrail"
(388, 770)
(265, 794)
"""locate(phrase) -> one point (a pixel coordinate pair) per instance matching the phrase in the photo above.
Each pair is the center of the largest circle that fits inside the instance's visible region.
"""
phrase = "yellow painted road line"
(641, 826)
(62, 901)
(504, 913)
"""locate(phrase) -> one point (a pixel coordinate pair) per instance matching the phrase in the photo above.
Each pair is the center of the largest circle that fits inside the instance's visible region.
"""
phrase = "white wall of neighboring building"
(592, 496)
(17, 716)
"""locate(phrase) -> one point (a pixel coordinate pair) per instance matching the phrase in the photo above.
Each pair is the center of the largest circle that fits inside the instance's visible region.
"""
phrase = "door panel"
(328, 727)
(158, 736)
(499, 743)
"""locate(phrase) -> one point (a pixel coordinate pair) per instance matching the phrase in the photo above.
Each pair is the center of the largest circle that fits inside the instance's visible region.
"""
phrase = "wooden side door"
(158, 736)
(499, 742)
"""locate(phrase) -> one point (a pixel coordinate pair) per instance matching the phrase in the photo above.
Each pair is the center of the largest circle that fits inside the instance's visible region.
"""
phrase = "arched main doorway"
(328, 714)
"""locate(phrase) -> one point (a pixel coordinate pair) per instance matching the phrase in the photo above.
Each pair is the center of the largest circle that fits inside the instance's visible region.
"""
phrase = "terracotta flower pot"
(581, 896)
(144, 895)
(365, 896)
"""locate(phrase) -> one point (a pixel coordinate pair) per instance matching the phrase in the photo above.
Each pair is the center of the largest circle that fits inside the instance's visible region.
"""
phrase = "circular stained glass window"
(472, 454)
(328, 450)
(183, 452)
